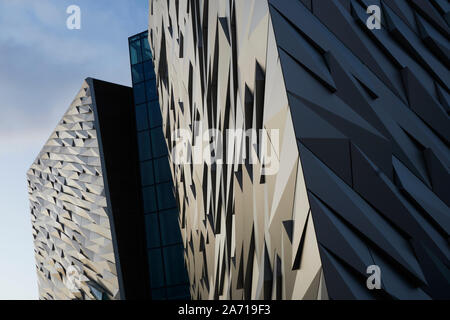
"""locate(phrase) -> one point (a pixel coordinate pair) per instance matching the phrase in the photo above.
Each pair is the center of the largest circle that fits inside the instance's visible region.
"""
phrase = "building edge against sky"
(105, 220)
(363, 120)
(168, 277)
(89, 240)
(363, 167)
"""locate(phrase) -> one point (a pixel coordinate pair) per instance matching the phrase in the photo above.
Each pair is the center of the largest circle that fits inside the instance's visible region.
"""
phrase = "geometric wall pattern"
(363, 117)
(239, 227)
(72, 234)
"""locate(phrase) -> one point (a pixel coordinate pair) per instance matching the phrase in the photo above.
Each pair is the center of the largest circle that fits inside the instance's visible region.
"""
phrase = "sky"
(42, 66)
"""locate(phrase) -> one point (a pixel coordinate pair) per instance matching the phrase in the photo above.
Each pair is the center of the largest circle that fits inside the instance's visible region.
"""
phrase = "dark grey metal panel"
(387, 101)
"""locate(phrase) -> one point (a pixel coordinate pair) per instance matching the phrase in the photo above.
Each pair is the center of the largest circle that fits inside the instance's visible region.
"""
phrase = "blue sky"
(42, 67)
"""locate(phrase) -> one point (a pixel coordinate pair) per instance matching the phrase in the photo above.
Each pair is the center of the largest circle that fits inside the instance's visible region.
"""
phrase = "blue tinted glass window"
(139, 93)
(147, 53)
(159, 146)
(137, 73)
(152, 230)
(151, 90)
(166, 200)
(134, 38)
(149, 199)
(149, 70)
(179, 293)
(174, 265)
(159, 294)
(135, 52)
(170, 228)
(144, 145)
(141, 117)
(147, 173)
(154, 113)
(162, 170)
(156, 268)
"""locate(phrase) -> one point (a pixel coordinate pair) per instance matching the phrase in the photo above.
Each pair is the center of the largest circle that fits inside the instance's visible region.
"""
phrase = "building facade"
(168, 276)
(105, 219)
(360, 118)
(87, 223)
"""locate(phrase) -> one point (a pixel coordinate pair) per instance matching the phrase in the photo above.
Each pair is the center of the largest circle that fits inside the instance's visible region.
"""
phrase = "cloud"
(39, 27)
(26, 137)
(43, 65)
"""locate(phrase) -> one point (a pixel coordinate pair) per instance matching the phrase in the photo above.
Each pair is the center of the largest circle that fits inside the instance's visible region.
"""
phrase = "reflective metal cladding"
(361, 117)
(87, 223)
(301, 147)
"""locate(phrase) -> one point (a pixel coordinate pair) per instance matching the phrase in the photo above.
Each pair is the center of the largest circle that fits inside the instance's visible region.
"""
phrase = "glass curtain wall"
(168, 276)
